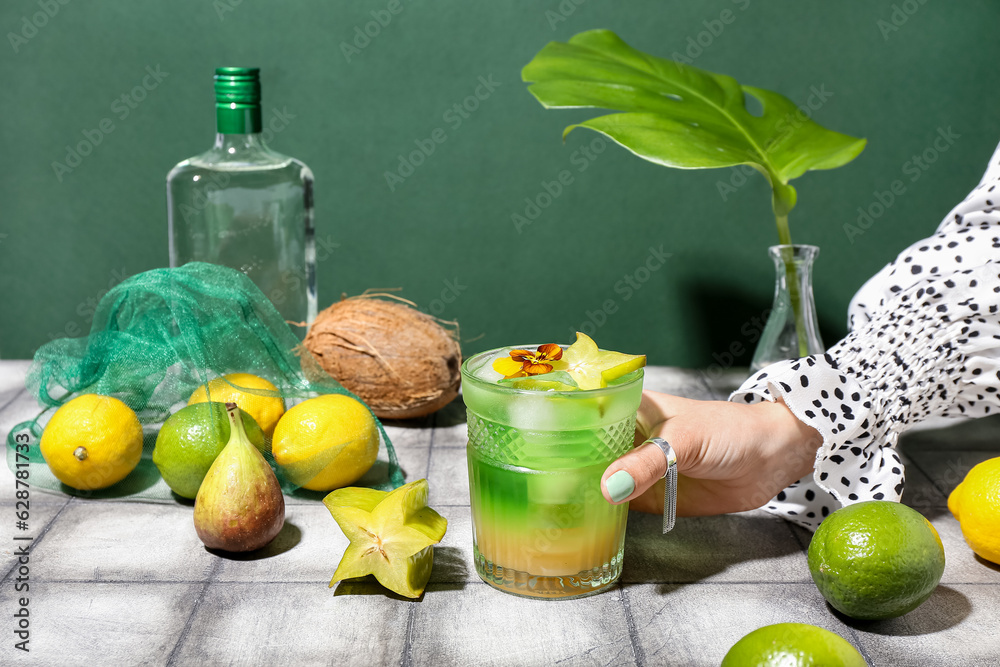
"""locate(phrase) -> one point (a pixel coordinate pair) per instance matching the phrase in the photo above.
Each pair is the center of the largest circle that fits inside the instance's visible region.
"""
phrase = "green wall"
(446, 229)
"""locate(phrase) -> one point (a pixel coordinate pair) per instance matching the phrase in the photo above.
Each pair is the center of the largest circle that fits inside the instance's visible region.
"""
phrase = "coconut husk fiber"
(403, 363)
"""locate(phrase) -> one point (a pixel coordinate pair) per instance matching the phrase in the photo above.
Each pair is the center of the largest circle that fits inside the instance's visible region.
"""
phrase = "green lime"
(792, 645)
(190, 440)
(876, 559)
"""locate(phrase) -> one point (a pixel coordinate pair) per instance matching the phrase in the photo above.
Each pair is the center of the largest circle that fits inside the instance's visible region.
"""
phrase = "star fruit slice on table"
(392, 535)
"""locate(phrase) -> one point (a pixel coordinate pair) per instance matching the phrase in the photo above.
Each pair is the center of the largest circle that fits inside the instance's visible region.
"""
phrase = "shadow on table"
(287, 539)
(307, 494)
(452, 414)
(702, 547)
(958, 434)
(450, 572)
(450, 566)
(376, 476)
(368, 585)
(937, 459)
(944, 609)
(416, 422)
(983, 561)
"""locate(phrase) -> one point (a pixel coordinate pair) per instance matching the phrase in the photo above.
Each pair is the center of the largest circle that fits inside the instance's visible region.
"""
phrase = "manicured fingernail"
(620, 486)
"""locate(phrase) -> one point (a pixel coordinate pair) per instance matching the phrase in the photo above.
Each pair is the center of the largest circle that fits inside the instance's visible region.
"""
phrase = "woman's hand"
(730, 457)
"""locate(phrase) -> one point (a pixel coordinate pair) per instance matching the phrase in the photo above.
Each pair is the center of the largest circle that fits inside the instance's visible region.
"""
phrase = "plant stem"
(792, 280)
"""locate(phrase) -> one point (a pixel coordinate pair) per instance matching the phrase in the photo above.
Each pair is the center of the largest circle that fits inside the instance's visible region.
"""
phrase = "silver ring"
(670, 488)
(668, 453)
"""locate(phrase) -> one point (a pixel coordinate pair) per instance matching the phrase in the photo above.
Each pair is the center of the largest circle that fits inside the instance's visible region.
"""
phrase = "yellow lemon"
(976, 504)
(92, 442)
(250, 393)
(326, 443)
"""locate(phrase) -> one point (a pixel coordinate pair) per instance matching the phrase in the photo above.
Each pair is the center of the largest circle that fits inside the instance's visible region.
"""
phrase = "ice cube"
(555, 488)
(483, 368)
(537, 411)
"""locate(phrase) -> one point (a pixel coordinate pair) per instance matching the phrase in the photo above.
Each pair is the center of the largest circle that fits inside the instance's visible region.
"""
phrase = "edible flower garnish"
(522, 363)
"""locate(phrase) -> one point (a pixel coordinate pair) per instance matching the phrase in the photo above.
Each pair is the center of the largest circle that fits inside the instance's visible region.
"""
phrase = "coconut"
(401, 362)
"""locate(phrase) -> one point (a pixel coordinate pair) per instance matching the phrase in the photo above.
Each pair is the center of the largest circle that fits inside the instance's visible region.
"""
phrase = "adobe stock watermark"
(452, 289)
(563, 517)
(697, 44)
(364, 34)
(454, 116)
(223, 7)
(294, 283)
(625, 288)
(30, 25)
(563, 11)
(914, 168)
(751, 330)
(793, 120)
(581, 159)
(275, 124)
(900, 14)
(945, 481)
(122, 107)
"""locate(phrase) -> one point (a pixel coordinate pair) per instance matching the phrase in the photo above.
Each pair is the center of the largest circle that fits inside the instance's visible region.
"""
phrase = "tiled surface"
(41, 515)
(453, 556)
(128, 583)
(94, 623)
(470, 624)
(133, 542)
(276, 623)
(448, 476)
(962, 565)
(713, 549)
(694, 625)
(306, 550)
(956, 626)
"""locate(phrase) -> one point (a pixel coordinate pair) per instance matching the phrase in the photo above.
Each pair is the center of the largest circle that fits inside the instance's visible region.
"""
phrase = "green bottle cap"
(237, 100)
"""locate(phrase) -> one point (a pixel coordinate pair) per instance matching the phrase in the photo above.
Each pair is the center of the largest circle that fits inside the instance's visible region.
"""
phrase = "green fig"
(239, 506)
(392, 535)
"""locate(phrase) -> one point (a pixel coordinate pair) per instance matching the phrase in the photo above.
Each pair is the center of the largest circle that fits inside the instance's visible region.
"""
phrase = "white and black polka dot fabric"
(925, 340)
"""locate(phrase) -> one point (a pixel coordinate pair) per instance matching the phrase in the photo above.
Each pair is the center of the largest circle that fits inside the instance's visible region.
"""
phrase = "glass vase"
(792, 330)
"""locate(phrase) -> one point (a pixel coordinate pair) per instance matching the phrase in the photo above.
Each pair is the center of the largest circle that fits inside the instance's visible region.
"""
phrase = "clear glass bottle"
(792, 330)
(245, 206)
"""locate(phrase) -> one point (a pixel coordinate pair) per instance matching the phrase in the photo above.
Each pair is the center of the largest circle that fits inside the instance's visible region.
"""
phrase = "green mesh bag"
(155, 339)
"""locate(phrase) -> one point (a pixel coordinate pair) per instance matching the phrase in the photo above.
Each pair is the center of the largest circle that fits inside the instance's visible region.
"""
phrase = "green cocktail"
(542, 527)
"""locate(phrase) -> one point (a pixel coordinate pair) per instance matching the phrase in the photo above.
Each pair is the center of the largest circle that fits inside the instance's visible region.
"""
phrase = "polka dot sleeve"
(925, 340)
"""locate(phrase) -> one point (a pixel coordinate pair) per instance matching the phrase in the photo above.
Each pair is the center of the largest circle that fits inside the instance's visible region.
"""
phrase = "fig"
(392, 535)
(239, 506)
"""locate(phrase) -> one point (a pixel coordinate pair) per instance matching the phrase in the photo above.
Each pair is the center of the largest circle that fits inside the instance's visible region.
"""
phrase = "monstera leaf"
(681, 116)
(684, 117)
